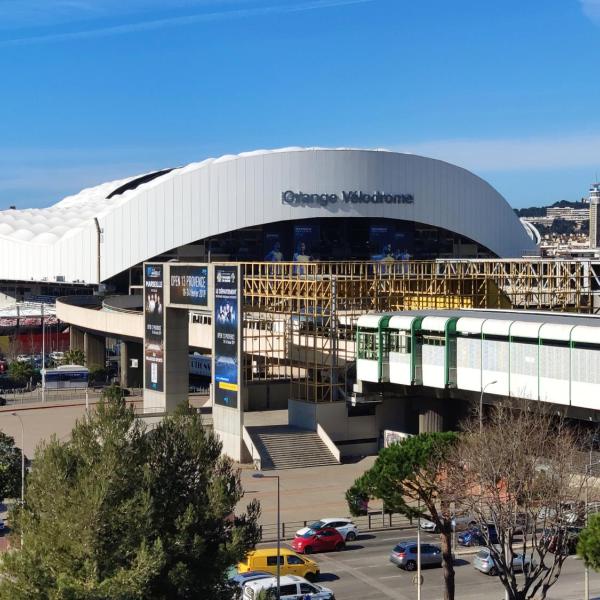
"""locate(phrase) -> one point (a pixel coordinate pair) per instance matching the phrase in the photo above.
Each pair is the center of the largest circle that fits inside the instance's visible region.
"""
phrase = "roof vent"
(135, 183)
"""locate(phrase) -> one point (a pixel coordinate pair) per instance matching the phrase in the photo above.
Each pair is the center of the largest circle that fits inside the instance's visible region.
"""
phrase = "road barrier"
(374, 521)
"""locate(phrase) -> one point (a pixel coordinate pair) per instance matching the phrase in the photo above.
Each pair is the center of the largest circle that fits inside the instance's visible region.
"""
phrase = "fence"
(374, 521)
(23, 396)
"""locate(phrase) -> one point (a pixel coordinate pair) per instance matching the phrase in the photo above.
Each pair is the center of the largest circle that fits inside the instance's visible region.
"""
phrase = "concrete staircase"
(285, 447)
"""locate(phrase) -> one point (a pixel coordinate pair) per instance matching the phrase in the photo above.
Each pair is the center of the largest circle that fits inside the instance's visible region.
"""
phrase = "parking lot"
(363, 572)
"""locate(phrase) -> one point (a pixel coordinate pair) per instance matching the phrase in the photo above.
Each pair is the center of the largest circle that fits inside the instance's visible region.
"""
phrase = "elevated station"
(552, 358)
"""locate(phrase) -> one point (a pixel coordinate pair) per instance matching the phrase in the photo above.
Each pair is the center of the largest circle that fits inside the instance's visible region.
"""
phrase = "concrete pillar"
(131, 376)
(94, 348)
(76, 338)
(431, 415)
(176, 365)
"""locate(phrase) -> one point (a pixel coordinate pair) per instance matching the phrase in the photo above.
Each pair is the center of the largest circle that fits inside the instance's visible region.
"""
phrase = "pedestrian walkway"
(306, 493)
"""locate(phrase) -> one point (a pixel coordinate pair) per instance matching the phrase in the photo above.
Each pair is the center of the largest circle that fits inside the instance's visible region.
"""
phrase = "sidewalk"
(306, 494)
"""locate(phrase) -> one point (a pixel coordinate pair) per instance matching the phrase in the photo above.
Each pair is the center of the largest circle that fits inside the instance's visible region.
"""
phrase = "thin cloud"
(514, 154)
(35, 13)
(153, 24)
(591, 9)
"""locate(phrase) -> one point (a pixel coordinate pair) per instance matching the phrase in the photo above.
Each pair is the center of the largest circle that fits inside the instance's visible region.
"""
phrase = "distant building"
(594, 215)
(578, 215)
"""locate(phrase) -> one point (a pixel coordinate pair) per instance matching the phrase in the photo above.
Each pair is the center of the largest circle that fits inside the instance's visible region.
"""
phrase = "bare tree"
(523, 473)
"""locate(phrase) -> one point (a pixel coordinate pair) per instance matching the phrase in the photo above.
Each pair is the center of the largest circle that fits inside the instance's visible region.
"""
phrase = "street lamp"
(481, 403)
(260, 475)
(14, 414)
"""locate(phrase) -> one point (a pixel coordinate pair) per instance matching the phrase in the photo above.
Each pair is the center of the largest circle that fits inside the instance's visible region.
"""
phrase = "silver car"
(404, 555)
(484, 562)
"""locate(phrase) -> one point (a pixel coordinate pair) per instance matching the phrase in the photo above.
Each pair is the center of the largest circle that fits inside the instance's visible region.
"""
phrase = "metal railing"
(374, 521)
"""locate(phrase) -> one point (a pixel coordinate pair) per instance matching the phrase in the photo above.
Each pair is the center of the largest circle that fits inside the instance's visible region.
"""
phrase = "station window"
(367, 345)
(434, 340)
(400, 342)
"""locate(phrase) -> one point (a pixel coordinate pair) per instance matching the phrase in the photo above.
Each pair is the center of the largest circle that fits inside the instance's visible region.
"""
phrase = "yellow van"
(265, 559)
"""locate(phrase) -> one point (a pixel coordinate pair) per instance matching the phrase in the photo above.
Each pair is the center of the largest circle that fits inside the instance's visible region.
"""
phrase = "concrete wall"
(112, 323)
(352, 432)
(132, 376)
(94, 348)
(227, 425)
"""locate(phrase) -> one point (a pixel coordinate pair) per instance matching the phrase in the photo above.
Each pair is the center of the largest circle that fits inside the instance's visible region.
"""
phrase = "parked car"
(57, 356)
(459, 523)
(477, 537)
(346, 527)
(291, 587)
(563, 539)
(325, 539)
(265, 559)
(484, 562)
(570, 513)
(524, 523)
(404, 555)
(241, 579)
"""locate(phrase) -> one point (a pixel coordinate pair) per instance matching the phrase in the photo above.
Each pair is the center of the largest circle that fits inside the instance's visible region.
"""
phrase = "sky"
(94, 90)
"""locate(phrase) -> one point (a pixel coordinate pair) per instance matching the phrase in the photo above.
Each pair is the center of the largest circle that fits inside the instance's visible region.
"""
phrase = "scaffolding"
(300, 318)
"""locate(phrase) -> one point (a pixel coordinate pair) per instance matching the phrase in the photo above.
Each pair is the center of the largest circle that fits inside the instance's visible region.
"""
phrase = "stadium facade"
(319, 204)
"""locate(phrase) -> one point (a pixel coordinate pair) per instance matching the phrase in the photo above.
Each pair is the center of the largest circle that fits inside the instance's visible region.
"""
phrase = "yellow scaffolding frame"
(300, 317)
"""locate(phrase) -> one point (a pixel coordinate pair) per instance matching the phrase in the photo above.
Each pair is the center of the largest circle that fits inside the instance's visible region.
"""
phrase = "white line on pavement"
(384, 589)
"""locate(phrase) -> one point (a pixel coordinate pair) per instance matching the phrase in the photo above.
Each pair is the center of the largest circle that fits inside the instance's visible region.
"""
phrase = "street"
(363, 572)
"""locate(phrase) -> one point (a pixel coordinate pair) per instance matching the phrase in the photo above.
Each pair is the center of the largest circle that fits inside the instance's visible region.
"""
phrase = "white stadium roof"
(141, 217)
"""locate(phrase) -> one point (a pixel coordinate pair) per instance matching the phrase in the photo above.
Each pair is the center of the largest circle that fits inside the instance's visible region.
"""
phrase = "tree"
(523, 474)
(589, 543)
(113, 393)
(123, 512)
(98, 374)
(21, 371)
(413, 471)
(10, 468)
(74, 357)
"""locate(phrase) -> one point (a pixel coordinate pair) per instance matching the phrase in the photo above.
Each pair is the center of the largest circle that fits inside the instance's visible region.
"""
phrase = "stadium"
(337, 204)
(301, 243)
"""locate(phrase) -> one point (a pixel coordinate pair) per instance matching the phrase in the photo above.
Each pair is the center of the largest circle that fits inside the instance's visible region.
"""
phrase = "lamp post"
(588, 471)
(43, 356)
(260, 475)
(481, 403)
(14, 414)
(419, 550)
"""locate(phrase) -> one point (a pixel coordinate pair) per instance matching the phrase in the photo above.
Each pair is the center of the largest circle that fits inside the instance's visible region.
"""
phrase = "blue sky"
(92, 90)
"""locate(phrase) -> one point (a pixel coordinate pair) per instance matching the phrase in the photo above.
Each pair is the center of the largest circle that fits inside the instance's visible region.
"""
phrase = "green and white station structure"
(548, 357)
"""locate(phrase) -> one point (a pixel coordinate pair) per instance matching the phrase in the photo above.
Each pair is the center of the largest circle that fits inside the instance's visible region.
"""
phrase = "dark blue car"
(476, 537)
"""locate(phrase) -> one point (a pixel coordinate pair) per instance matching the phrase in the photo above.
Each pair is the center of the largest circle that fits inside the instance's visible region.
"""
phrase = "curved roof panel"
(147, 215)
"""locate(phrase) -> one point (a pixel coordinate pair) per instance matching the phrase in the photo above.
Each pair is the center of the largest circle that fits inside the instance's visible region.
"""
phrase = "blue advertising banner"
(227, 331)
(188, 285)
(306, 237)
(154, 323)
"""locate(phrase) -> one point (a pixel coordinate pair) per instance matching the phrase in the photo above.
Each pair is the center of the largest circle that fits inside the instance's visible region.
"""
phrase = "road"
(363, 572)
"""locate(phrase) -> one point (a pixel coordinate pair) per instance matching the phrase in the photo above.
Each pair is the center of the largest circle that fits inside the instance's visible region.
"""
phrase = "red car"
(322, 540)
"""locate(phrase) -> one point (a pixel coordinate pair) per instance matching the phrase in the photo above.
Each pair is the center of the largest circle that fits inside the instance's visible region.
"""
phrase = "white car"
(459, 523)
(484, 562)
(347, 529)
(291, 587)
(427, 525)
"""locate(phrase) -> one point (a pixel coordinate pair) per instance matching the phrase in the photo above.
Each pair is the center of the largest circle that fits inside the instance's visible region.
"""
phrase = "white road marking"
(374, 583)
